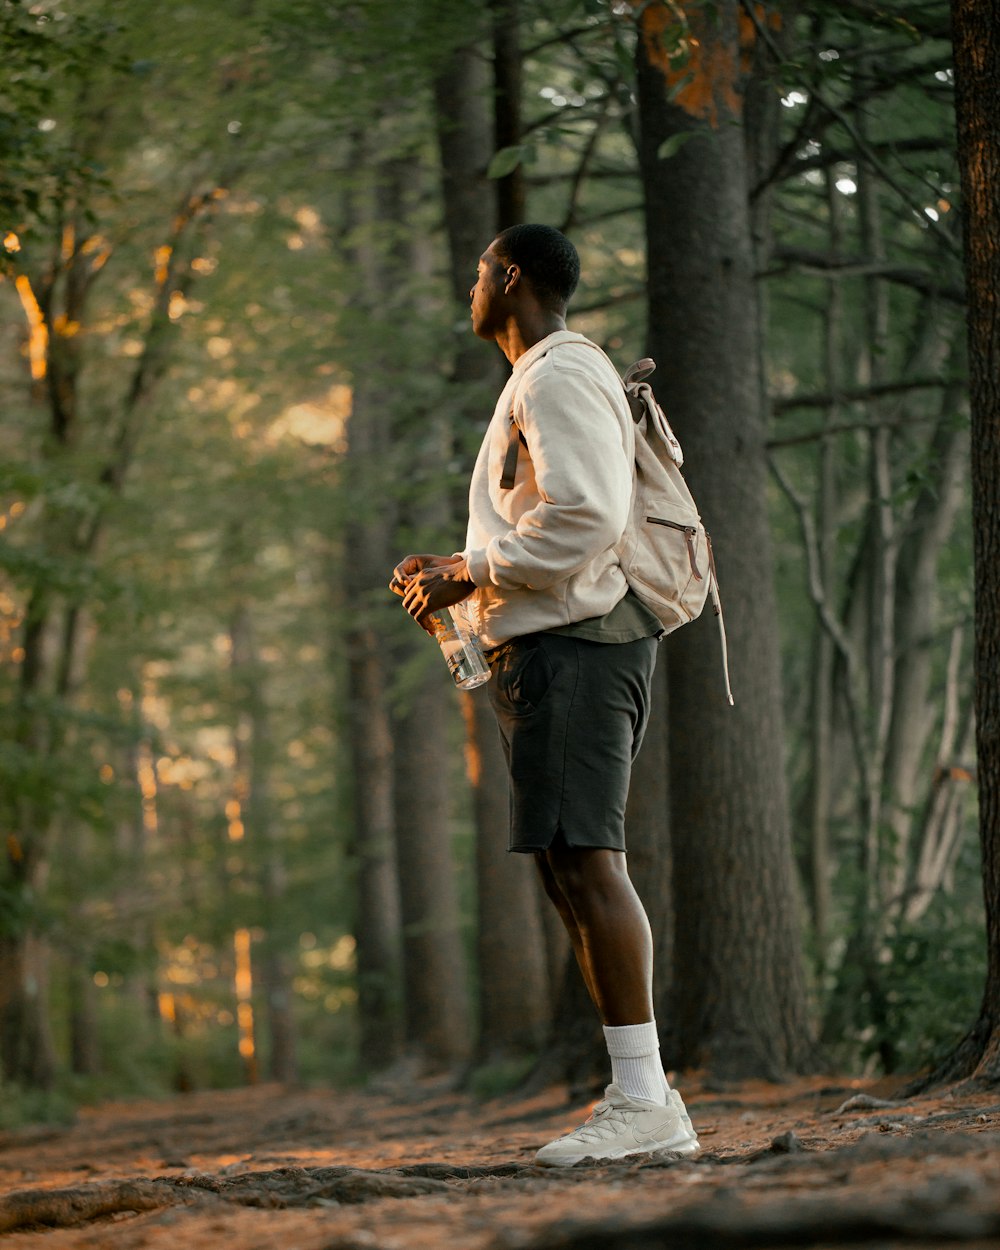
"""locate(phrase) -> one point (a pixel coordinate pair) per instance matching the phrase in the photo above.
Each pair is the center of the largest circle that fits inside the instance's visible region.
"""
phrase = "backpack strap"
(713, 592)
(631, 382)
(510, 459)
(640, 369)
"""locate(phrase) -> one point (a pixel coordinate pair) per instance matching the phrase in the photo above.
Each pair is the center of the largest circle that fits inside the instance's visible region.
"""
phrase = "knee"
(588, 874)
(549, 882)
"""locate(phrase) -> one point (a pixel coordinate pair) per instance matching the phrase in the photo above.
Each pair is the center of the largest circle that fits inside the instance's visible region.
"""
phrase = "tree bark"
(647, 825)
(510, 201)
(513, 987)
(26, 1044)
(373, 848)
(514, 1003)
(976, 39)
(252, 743)
(435, 977)
(377, 923)
(739, 987)
(368, 559)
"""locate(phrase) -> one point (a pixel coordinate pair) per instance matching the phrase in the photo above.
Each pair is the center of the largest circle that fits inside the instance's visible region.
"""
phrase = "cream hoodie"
(542, 553)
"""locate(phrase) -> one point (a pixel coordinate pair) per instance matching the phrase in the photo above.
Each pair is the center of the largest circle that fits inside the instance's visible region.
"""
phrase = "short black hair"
(546, 258)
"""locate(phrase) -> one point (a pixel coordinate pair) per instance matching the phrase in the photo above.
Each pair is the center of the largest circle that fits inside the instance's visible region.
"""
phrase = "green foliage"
(925, 997)
(935, 984)
(19, 1106)
(285, 125)
(493, 1080)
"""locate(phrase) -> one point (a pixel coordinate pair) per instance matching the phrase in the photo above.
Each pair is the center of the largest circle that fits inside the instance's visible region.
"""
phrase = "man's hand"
(429, 582)
(412, 565)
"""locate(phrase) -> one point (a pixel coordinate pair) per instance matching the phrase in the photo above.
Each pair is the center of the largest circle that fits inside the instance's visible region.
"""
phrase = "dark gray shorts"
(571, 714)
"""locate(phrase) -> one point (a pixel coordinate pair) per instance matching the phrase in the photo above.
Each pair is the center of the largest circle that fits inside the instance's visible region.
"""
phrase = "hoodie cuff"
(478, 566)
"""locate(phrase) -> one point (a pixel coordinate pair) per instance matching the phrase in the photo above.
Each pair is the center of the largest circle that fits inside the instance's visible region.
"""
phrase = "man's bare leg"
(561, 904)
(608, 929)
(611, 939)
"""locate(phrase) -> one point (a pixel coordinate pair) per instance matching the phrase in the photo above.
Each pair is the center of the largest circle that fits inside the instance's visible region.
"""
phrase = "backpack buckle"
(639, 370)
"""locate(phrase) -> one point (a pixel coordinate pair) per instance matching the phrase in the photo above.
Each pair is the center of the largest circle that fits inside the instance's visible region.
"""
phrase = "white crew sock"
(635, 1061)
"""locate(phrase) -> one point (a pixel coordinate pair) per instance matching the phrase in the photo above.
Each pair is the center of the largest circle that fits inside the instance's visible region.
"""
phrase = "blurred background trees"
(249, 829)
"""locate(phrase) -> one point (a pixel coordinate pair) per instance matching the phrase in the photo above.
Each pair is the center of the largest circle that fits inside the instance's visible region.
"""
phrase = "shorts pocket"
(525, 675)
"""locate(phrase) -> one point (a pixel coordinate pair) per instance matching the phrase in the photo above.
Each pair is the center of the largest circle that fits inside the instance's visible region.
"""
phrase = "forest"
(251, 831)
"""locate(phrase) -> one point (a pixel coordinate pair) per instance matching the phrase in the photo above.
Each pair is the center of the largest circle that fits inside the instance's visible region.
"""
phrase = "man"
(572, 652)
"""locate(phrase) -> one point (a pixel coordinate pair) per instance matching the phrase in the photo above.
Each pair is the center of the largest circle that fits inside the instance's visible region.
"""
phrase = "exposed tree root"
(730, 1225)
(973, 1065)
(60, 1208)
(277, 1188)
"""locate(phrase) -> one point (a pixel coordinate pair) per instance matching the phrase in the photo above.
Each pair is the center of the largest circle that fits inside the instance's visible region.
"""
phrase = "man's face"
(487, 296)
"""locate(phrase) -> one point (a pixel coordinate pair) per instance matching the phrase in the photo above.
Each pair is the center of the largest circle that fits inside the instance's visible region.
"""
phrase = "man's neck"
(522, 333)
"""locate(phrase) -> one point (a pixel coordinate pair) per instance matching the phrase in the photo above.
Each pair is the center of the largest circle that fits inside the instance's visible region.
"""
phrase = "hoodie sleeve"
(583, 474)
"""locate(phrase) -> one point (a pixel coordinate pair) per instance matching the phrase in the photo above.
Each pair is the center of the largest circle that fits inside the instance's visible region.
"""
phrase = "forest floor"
(816, 1162)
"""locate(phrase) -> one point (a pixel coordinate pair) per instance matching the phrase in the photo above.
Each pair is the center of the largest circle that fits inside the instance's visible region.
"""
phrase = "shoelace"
(601, 1123)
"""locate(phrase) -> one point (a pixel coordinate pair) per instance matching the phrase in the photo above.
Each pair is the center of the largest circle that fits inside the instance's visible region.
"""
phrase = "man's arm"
(583, 474)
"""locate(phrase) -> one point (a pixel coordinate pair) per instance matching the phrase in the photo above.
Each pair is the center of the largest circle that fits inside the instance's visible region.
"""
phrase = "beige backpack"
(665, 551)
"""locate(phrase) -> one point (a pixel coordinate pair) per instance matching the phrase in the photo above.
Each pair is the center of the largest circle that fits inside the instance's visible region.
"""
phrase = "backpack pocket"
(666, 560)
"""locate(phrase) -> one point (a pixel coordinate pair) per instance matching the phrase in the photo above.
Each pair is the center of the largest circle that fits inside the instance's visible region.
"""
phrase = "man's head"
(523, 263)
(546, 258)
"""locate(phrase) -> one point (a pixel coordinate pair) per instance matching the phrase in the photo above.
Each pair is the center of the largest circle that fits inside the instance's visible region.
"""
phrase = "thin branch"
(585, 158)
(837, 156)
(942, 827)
(580, 114)
(878, 167)
(547, 180)
(816, 436)
(194, 208)
(855, 395)
(869, 151)
(611, 301)
(608, 214)
(566, 36)
(805, 260)
(828, 620)
(879, 15)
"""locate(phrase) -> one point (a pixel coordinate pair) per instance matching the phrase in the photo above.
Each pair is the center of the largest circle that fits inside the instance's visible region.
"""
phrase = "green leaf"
(670, 147)
(505, 161)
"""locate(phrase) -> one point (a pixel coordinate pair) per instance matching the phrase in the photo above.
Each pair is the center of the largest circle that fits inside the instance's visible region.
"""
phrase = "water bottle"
(460, 647)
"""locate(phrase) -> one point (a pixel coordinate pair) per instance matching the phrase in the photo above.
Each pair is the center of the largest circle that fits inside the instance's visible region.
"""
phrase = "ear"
(511, 278)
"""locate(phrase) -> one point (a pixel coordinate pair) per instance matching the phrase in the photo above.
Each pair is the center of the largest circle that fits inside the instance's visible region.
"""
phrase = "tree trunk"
(976, 39)
(367, 562)
(435, 977)
(84, 1045)
(514, 1001)
(915, 713)
(373, 845)
(507, 108)
(252, 743)
(817, 802)
(514, 1005)
(26, 1045)
(739, 988)
(373, 849)
(647, 826)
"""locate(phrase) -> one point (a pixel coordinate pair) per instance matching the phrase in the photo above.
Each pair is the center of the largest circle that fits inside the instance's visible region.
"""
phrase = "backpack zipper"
(690, 532)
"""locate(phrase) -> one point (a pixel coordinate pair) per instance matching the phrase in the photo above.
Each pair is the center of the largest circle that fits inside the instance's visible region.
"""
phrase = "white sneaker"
(678, 1102)
(621, 1126)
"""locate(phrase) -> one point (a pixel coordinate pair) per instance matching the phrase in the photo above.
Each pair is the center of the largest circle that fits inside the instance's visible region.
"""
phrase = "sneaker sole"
(685, 1146)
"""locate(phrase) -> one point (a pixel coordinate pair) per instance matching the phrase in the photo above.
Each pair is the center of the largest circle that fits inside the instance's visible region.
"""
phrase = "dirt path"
(814, 1163)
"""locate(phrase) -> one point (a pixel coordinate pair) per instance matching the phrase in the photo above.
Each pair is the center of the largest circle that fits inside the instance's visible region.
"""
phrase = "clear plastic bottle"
(460, 647)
